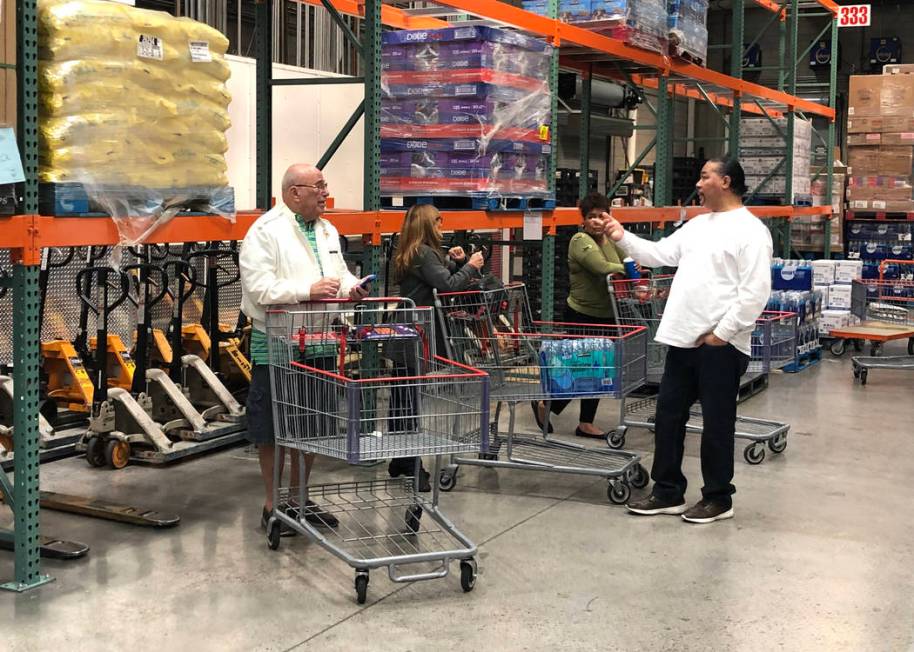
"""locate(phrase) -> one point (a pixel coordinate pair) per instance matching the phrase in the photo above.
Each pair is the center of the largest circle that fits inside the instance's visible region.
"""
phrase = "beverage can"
(631, 268)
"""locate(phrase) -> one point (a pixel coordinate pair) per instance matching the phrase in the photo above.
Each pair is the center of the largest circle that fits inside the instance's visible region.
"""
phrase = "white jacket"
(277, 266)
(723, 280)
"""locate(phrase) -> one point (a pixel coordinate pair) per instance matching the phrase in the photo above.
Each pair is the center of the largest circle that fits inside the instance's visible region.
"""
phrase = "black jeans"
(588, 405)
(709, 374)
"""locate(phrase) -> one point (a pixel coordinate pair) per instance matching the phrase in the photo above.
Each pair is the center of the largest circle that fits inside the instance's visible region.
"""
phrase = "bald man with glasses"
(290, 255)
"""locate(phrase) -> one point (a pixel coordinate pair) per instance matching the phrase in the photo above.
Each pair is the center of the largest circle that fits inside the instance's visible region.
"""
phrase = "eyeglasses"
(322, 186)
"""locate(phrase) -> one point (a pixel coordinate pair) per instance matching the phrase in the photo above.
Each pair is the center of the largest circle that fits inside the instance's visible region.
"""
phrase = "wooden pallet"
(879, 215)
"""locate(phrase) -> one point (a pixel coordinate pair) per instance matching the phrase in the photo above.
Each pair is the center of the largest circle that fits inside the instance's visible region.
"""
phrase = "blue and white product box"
(833, 319)
(823, 272)
(791, 275)
(839, 296)
(847, 271)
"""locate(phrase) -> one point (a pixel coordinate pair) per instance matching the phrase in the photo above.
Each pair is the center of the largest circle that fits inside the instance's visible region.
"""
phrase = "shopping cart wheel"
(856, 371)
(361, 586)
(863, 373)
(778, 444)
(467, 575)
(413, 518)
(95, 452)
(447, 479)
(117, 453)
(838, 348)
(754, 453)
(639, 477)
(616, 438)
(274, 531)
(618, 492)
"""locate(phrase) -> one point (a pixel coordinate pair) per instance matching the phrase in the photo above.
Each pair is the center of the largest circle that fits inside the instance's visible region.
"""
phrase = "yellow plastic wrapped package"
(133, 108)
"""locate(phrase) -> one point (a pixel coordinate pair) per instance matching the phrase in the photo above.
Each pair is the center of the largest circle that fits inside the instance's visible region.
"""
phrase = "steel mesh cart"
(528, 360)
(641, 302)
(363, 382)
(886, 310)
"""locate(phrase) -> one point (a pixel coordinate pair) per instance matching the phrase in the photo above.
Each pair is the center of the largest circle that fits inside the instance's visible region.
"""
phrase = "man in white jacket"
(720, 288)
(289, 255)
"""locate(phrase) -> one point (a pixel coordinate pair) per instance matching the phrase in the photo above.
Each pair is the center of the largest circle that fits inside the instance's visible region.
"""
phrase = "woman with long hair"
(420, 267)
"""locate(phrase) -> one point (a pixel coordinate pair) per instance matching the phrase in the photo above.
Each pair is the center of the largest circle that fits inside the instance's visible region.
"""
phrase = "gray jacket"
(431, 271)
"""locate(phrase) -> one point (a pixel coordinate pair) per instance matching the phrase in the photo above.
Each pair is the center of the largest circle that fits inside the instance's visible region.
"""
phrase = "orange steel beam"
(390, 16)
(560, 32)
(771, 5)
(28, 234)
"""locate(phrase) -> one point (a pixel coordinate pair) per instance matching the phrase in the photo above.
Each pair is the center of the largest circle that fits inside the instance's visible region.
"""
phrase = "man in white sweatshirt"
(289, 255)
(720, 288)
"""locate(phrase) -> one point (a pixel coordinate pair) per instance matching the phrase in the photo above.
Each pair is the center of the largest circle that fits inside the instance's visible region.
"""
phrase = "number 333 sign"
(854, 16)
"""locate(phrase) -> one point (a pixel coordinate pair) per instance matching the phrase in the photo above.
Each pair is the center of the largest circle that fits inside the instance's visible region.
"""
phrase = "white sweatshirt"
(723, 281)
(278, 267)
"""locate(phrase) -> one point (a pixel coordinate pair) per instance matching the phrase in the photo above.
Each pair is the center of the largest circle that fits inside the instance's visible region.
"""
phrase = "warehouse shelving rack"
(27, 234)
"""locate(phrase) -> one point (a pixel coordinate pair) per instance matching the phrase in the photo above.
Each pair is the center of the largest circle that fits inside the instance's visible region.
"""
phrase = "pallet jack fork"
(206, 391)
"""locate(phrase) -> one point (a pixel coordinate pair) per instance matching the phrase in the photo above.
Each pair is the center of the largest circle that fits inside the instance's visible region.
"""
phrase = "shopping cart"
(886, 308)
(362, 382)
(542, 361)
(641, 302)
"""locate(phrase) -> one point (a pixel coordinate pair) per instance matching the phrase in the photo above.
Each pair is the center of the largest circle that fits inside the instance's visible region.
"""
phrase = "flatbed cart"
(362, 382)
(887, 308)
(641, 302)
(542, 361)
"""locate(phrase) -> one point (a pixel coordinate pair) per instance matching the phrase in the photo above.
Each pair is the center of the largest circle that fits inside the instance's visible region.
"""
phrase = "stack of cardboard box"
(7, 56)
(880, 139)
(808, 231)
(762, 149)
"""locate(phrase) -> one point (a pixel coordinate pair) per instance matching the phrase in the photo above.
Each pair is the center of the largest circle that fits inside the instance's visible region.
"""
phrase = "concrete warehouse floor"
(819, 556)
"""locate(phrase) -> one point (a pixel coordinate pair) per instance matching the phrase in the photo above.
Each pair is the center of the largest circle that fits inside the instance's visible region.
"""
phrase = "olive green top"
(589, 263)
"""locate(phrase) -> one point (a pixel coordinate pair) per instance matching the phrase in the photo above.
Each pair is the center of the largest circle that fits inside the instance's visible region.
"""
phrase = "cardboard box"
(882, 160)
(832, 319)
(893, 206)
(839, 296)
(864, 124)
(864, 95)
(847, 271)
(868, 192)
(898, 69)
(855, 139)
(886, 95)
(892, 124)
(823, 272)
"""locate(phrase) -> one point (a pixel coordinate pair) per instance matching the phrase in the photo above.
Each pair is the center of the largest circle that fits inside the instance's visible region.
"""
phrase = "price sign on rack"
(854, 16)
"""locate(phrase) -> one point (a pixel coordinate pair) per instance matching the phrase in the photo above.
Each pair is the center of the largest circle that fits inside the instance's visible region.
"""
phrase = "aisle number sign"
(854, 16)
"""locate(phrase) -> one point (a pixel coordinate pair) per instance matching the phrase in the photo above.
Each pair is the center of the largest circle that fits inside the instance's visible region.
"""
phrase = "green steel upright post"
(663, 153)
(830, 142)
(793, 21)
(25, 323)
(547, 290)
(584, 181)
(371, 188)
(263, 12)
(736, 70)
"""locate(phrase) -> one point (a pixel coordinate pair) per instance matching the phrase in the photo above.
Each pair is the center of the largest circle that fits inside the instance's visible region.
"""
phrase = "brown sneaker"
(707, 511)
(653, 506)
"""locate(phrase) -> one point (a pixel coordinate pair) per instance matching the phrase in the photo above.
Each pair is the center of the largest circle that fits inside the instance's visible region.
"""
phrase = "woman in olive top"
(591, 258)
(420, 266)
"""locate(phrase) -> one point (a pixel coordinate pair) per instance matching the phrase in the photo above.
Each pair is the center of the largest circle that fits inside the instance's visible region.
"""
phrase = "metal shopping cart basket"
(542, 361)
(641, 302)
(361, 382)
(886, 310)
